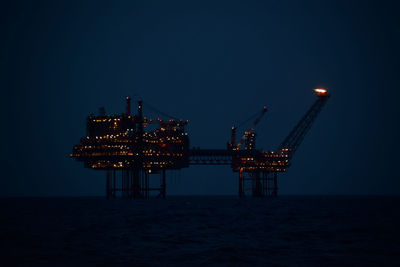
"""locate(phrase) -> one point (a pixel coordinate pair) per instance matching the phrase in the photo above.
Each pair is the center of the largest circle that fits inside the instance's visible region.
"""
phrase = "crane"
(232, 144)
(296, 136)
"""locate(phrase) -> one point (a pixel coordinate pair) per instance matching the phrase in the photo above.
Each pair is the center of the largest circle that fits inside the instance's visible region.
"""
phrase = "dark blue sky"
(213, 63)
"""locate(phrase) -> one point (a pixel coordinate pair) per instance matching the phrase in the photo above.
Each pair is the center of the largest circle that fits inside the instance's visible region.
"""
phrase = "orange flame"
(320, 91)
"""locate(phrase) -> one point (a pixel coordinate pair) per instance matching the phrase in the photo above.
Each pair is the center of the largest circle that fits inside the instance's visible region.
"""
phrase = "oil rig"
(129, 154)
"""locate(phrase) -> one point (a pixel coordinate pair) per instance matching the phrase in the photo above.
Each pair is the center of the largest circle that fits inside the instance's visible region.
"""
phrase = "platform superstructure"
(132, 148)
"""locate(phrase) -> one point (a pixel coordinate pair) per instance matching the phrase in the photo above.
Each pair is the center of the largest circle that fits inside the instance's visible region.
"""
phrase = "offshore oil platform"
(130, 155)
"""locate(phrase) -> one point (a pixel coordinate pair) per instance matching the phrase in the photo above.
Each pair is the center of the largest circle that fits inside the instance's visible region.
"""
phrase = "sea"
(201, 231)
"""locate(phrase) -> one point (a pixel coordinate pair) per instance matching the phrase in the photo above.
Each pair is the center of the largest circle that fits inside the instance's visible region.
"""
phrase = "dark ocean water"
(282, 231)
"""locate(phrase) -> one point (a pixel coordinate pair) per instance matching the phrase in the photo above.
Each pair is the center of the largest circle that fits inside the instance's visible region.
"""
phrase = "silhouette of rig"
(130, 155)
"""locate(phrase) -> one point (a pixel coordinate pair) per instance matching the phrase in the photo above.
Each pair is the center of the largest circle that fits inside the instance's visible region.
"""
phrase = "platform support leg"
(275, 185)
(241, 191)
(147, 183)
(136, 183)
(257, 190)
(108, 184)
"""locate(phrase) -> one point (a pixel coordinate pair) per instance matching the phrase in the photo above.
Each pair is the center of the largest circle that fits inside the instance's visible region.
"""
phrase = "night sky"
(214, 63)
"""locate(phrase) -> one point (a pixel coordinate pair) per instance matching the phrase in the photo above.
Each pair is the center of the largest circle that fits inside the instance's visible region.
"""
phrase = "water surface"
(287, 230)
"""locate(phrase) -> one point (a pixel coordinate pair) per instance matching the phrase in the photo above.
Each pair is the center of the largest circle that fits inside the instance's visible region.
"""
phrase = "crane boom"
(256, 121)
(296, 136)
